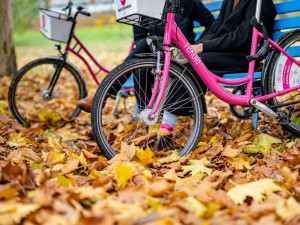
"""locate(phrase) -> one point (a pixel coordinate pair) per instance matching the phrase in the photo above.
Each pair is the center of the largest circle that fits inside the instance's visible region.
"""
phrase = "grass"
(88, 35)
(107, 38)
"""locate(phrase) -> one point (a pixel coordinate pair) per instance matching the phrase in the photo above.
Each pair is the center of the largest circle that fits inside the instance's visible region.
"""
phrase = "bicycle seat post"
(258, 10)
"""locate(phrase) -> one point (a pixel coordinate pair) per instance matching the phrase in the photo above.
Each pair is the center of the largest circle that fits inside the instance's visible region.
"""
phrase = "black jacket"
(232, 31)
(187, 12)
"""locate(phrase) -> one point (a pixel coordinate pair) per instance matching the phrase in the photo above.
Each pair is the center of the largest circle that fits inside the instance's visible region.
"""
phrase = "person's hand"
(178, 56)
(198, 48)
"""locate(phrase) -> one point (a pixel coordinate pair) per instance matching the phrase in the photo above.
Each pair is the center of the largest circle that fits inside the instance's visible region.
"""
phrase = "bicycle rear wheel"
(28, 92)
(283, 74)
(110, 131)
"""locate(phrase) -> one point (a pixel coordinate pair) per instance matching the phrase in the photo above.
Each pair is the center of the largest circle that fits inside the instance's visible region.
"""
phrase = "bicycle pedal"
(283, 118)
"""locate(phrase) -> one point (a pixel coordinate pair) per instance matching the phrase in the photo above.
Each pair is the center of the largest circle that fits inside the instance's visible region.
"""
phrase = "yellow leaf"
(201, 144)
(62, 180)
(54, 158)
(113, 19)
(83, 161)
(195, 205)
(16, 140)
(256, 189)
(213, 139)
(13, 212)
(147, 174)
(46, 116)
(153, 203)
(123, 174)
(196, 166)
(174, 157)
(265, 139)
(240, 164)
(262, 144)
(146, 157)
(54, 143)
(68, 136)
(288, 209)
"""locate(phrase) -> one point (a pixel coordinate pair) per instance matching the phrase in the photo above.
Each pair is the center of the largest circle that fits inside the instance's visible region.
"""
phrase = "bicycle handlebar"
(79, 10)
(264, 49)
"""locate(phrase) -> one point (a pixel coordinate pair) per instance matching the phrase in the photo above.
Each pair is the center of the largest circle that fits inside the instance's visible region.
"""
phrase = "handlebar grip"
(85, 13)
(264, 49)
(70, 3)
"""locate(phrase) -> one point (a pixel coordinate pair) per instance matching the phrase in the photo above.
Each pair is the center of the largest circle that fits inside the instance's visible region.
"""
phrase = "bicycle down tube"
(173, 33)
(77, 53)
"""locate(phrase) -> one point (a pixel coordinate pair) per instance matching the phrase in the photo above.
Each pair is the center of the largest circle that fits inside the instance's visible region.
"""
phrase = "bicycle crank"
(281, 117)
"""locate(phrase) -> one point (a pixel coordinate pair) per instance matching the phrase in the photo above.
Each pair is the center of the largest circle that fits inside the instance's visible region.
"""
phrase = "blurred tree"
(7, 49)
(25, 12)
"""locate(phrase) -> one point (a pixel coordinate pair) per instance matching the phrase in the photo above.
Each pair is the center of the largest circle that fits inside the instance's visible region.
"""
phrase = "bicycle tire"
(277, 73)
(32, 77)
(98, 108)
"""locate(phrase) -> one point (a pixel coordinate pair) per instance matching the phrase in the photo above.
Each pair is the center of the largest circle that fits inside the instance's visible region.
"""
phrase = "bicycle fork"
(47, 94)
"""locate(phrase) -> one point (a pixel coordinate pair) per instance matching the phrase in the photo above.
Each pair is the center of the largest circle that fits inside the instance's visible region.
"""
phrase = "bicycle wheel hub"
(145, 117)
(46, 95)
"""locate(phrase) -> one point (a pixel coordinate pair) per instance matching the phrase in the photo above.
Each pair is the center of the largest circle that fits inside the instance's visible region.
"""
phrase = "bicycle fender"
(270, 57)
(196, 79)
(75, 67)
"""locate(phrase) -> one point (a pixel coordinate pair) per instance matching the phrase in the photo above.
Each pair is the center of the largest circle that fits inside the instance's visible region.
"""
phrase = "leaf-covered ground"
(235, 176)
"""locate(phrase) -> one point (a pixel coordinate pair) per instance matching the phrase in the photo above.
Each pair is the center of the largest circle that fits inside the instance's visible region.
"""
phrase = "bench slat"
(287, 23)
(257, 75)
(277, 35)
(294, 51)
(214, 6)
(287, 7)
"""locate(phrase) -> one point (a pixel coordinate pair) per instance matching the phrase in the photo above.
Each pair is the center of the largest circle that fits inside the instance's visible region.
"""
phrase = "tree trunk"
(7, 50)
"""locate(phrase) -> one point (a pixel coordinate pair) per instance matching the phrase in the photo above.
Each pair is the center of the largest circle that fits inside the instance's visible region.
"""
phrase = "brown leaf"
(231, 152)
(160, 188)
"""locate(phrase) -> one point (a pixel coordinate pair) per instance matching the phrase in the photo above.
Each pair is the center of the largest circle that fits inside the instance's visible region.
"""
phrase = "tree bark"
(7, 49)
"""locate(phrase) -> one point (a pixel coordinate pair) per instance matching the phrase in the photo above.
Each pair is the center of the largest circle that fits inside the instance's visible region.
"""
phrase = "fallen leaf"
(146, 157)
(13, 212)
(256, 189)
(123, 174)
(54, 144)
(196, 166)
(288, 209)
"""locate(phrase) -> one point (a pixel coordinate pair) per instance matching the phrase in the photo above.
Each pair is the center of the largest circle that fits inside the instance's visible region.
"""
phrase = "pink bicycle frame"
(77, 53)
(173, 33)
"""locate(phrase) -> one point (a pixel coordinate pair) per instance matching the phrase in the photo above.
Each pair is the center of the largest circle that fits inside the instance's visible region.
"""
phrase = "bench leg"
(118, 98)
(254, 120)
(136, 110)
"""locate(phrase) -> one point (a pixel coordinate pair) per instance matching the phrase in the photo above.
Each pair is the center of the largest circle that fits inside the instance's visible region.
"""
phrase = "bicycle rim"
(113, 131)
(285, 74)
(28, 94)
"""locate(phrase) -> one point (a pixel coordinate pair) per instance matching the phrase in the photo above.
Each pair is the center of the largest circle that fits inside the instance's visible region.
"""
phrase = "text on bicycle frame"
(192, 53)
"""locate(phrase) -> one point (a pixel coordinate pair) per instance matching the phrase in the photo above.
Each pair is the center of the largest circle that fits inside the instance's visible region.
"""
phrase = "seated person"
(187, 12)
(223, 50)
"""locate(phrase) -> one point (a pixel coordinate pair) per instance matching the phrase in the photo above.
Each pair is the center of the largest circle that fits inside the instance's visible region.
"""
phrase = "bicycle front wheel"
(131, 126)
(29, 97)
(283, 73)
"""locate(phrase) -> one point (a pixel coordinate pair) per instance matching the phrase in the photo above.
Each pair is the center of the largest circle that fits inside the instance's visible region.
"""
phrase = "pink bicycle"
(279, 86)
(48, 88)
